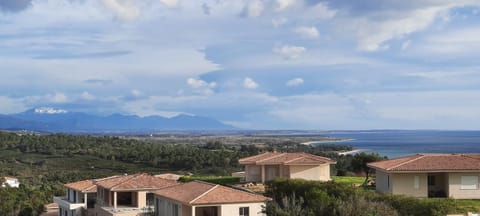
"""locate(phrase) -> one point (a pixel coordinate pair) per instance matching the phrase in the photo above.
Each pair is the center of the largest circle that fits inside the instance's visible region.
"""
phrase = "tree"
(360, 161)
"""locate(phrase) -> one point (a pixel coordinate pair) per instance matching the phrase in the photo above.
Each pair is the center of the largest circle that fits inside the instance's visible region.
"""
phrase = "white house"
(204, 199)
(10, 182)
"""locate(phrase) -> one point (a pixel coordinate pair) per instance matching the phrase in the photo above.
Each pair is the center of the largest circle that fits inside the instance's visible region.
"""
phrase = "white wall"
(381, 182)
(403, 183)
(454, 185)
(311, 172)
(232, 209)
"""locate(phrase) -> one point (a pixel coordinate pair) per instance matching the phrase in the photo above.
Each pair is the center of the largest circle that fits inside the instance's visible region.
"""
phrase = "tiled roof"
(202, 193)
(85, 186)
(286, 159)
(141, 181)
(430, 162)
(9, 178)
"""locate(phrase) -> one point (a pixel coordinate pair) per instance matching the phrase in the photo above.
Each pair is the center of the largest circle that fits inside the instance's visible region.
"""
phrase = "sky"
(254, 64)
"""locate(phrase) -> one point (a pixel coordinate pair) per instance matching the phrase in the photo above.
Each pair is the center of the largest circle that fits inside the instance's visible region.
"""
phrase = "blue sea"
(395, 143)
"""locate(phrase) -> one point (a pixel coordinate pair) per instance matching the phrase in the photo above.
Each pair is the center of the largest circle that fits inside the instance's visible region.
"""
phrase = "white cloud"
(290, 52)
(406, 44)
(374, 33)
(57, 97)
(125, 10)
(87, 96)
(10, 105)
(283, 4)
(249, 83)
(308, 32)
(320, 11)
(201, 86)
(279, 22)
(295, 82)
(253, 8)
(169, 3)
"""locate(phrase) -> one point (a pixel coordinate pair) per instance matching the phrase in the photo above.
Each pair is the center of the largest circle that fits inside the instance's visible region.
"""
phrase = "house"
(52, 209)
(10, 182)
(198, 198)
(430, 175)
(271, 165)
(128, 195)
(79, 199)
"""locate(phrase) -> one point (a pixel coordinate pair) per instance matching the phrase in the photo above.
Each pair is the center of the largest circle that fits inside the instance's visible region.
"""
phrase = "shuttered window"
(469, 183)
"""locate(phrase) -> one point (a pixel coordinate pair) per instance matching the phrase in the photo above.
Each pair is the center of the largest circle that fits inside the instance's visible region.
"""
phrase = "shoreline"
(327, 141)
(351, 152)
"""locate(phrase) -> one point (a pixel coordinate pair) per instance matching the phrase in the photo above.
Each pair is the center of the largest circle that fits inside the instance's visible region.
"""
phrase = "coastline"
(327, 141)
(352, 152)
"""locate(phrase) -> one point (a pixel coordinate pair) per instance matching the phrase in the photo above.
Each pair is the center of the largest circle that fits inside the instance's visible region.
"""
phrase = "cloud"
(14, 5)
(374, 33)
(125, 10)
(320, 11)
(90, 55)
(249, 83)
(283, 4)
(290, 52)
(406, 44)
(253, 8)
(169, 3)
(294, 82)
(201, 86)
(279, 22)
(307, 32)
(10, 105)
(57, 97)
(206, 9)
(87, 96)
(98, 81)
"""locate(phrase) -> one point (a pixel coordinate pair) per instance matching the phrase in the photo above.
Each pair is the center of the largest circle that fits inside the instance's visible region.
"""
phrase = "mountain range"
(58, 120)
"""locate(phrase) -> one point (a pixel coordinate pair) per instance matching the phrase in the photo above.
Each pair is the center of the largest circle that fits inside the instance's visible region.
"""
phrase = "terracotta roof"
(85, 186)
(170, 176)
(202, 193)
(430, 162)
(9, 178)
(141, 181)
(286, 159)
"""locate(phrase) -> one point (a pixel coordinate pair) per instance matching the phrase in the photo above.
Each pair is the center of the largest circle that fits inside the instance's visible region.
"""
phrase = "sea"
(396, 143)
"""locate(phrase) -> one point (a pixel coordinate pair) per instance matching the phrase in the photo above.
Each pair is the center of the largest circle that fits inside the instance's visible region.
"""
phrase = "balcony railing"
(63, 202)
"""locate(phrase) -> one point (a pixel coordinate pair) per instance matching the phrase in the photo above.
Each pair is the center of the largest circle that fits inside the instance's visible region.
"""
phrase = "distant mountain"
(58, 120)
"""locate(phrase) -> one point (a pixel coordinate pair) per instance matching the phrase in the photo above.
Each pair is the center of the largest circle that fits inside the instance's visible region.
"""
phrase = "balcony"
(64, 203)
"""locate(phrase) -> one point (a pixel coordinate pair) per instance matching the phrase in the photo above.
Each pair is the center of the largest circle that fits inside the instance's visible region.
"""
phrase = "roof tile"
(430, 162)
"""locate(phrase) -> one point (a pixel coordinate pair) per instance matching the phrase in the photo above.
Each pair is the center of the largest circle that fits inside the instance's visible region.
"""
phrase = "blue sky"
(255, 64)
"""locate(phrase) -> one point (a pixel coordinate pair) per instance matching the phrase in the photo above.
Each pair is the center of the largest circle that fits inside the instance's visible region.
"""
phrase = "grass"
(468, 206)
(350, 180)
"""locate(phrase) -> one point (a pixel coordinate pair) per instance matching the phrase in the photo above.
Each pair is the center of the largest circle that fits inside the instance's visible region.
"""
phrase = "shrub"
(222, 180)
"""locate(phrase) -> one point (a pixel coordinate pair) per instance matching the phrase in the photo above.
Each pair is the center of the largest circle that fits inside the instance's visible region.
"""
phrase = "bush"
(222, 180)
(330, 198)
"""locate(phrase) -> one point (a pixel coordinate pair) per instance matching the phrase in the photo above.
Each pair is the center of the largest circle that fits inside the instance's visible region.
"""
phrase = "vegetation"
(223, 180)
(331, 198)
(360, 161)
(43, 163)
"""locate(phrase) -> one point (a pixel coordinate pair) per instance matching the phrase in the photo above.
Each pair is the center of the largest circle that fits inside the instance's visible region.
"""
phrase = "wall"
(163, 207)
(381, 182)
(253, 173)
(454, 191)
(311, 172)
(232, 209)
(403, 183)
(141, 199)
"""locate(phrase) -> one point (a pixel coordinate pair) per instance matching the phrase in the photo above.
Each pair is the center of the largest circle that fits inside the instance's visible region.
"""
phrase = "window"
(416, 182)
(469, 182)
(388, 181)
(244, 211)
(431, 180)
